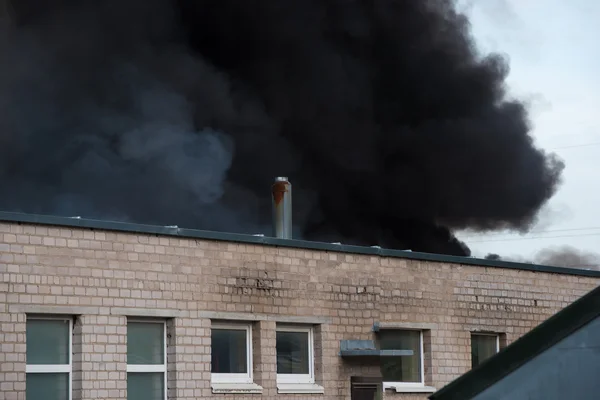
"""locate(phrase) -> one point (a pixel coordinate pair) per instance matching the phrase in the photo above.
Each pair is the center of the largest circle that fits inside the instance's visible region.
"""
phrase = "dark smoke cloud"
(559, 256)
(392, 128)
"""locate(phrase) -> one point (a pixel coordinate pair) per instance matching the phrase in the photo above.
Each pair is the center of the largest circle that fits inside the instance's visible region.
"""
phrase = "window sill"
(224, 387)
(409, 388)
(302, 388)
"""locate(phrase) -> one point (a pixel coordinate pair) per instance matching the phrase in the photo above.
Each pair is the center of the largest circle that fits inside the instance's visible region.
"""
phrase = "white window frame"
(408, 385)
(55, 368)
(300, 378)
(496, 335)
(235, 378)
(141, 368)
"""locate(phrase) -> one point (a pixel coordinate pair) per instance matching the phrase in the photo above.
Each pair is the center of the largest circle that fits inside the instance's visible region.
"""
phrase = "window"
(49, 347)
(146, 360)
(402, 370)
(483, 346)
(231, 353)
(295, 355)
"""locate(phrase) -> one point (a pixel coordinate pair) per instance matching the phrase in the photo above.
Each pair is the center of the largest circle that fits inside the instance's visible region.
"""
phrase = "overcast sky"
(555, 63)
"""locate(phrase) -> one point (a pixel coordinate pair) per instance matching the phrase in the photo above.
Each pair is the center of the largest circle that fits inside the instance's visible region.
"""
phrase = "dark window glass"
(293, 353)
(229, 351)
(482, 348)
(405, 368)
(145, 343)
(47, 341)
(47, 386)
(145, 386)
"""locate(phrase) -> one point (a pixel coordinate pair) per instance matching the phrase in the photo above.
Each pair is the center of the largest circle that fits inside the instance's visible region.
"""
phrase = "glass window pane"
(229, 351)
(482, 348)
(145, 386)
(401, 369)
(292, 353)
(145, 343)
(47, 341)
(48, 386)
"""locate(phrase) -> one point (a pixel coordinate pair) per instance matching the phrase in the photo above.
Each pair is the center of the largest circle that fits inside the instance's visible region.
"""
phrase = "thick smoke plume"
(393, 130)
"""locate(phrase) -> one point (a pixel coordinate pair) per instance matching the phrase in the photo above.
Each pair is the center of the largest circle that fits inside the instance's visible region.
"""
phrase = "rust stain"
(279, 189)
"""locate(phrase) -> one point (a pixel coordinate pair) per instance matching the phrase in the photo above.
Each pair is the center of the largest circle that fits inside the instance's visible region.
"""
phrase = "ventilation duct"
(282, 208)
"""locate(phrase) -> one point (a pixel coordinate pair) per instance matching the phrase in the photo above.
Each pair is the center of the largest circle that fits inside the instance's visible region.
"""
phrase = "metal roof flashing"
(84, 223)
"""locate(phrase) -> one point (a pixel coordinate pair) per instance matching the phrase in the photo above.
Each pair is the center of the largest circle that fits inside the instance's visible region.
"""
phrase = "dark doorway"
(365, 388)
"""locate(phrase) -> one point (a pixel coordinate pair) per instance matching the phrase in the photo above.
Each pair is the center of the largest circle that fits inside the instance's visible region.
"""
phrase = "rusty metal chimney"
(282, 208)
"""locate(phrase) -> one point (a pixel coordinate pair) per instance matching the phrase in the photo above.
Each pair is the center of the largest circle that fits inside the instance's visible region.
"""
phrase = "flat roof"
(173, 231)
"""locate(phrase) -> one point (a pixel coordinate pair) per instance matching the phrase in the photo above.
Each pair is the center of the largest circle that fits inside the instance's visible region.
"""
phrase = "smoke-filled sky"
(554, 59)
(392, 126)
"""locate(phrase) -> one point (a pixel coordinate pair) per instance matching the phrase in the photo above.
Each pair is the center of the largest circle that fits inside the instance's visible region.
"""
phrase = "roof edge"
(126, 227)
(547, 334)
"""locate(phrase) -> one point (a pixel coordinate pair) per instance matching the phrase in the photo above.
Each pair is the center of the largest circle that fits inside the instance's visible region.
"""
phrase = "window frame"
(299, 378)
(235, 377)
(489, 334)
(400, 384)
(151, 368)
(54, 368)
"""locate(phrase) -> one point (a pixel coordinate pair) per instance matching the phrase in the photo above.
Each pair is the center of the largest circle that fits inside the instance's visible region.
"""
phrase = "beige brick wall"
(100, 357)
(105, 276)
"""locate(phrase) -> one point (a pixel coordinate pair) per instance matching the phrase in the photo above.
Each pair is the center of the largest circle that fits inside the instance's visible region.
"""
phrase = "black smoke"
(391, 126)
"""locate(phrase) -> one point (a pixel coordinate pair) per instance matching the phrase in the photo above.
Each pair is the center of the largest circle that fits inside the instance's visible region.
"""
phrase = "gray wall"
(569, 370)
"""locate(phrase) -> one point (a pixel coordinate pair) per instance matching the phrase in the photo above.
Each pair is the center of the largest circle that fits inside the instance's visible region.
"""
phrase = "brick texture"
(265, 357)
(108, 276)
(188, 358)
(101, 361)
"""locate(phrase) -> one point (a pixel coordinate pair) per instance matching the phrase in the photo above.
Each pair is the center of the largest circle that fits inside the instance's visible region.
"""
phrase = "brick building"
(104, 310)
(528, 369)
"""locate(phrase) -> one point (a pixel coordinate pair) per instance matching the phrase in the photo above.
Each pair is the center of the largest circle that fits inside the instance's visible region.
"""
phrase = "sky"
(554, 65)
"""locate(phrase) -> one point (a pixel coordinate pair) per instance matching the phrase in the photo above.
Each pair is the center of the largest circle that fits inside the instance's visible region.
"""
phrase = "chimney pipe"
(282, 208)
